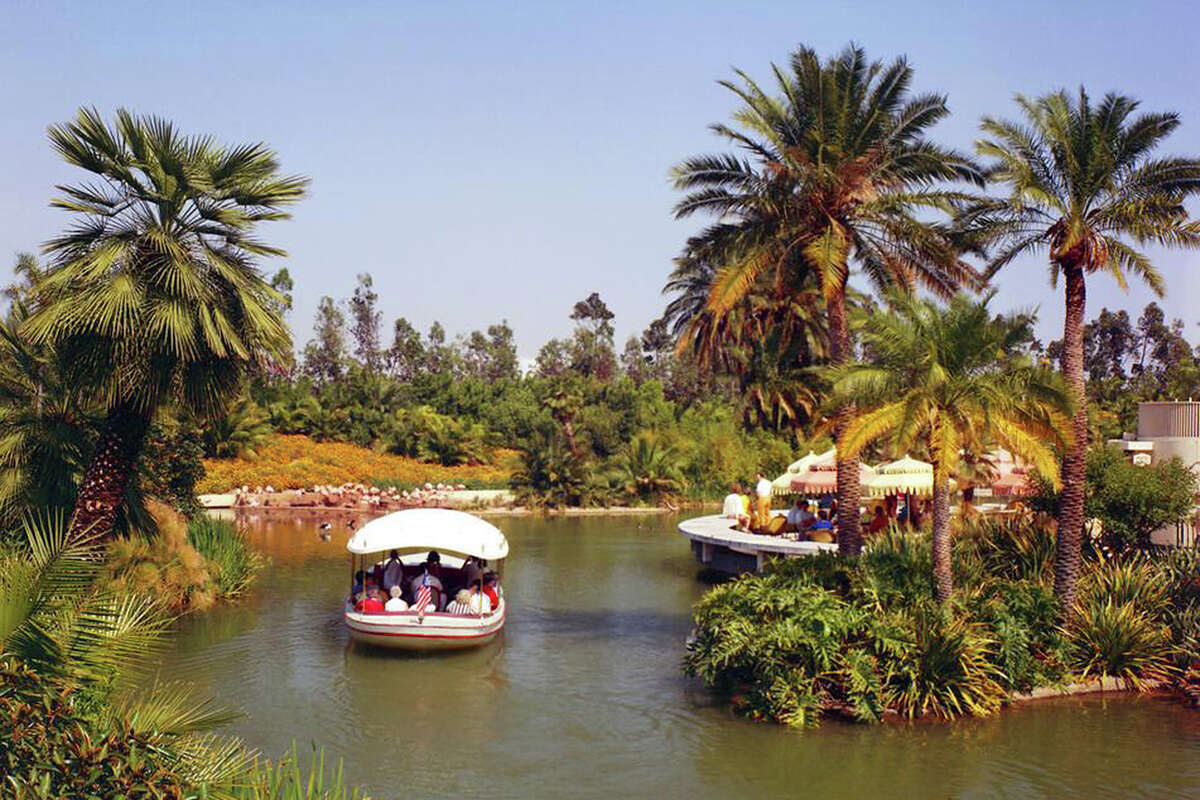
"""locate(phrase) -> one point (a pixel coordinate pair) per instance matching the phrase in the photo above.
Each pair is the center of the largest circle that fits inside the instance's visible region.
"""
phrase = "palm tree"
(648, 468)
(154, 293)
(1084, 189)
(942, 376)
(767, 342)
(64, 625)
(835, 170)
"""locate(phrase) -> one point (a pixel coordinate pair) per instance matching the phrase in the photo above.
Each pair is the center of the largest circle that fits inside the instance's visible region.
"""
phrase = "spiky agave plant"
(155, 292)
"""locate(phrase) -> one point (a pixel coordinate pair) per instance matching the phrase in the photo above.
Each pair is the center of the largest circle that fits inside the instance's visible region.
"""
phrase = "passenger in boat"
(491, 588)
(359, 583)
(369, 603)
(393, 572)
(461, 604)
(480, 603)
(430, 575)
(396, 603)
(472, 570)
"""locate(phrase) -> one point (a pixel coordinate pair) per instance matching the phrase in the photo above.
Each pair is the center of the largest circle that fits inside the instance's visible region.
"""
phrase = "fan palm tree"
(648, 469)
(835, 171)
(941, 376)
(1084, 189)
(154, 293)
(61, 622)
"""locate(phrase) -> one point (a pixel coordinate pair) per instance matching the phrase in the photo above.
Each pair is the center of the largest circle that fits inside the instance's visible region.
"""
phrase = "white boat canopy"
(421, 529)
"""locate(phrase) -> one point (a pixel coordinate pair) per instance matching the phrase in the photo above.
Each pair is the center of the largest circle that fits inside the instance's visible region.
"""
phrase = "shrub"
(1018, 548)
(1031, 648)
(187, 565)
(231, 559)
(863, 637)
(171, 465)
(1181, 572)
(49, 749)
(1130, 502)
(946, 670)
(1116, 639)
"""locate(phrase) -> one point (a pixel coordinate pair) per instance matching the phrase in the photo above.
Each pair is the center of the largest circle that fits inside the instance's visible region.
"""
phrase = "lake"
(583, 696)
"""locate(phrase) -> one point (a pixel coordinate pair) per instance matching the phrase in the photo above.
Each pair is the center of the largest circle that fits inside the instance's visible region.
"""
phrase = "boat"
(413, 534)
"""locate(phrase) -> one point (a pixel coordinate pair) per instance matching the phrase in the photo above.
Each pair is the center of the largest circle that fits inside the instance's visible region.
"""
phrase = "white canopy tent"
(783, 484)
(904, 476)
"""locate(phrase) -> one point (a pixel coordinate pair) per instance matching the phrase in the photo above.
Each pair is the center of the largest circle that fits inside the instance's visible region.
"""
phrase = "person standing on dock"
(762, 504)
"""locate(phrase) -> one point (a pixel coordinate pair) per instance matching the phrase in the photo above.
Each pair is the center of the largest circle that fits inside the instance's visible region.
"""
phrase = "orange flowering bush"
(297, 462)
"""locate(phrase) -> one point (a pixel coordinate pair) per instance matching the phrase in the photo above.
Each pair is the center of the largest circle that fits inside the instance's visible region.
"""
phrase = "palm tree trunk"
(849, 527)
(943, 571)
(109, 472)
(1068, 552)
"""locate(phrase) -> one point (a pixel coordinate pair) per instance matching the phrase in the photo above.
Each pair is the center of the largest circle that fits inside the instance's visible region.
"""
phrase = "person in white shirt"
(732, 507)
(396, 603)
(479, 602)
(798, 516)
(762, 507)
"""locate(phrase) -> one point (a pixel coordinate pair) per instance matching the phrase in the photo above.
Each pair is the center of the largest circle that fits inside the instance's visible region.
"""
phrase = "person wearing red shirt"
(371, 604)
(489, 589)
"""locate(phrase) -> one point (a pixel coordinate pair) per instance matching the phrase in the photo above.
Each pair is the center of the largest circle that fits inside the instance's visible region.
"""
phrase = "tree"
(835, 171)
(552, 359)
(325, 354)
(406, 356)
(939, 377)
(155, 293)
(365, 326)
(592, 349)
(492, 356)
(1085, 189)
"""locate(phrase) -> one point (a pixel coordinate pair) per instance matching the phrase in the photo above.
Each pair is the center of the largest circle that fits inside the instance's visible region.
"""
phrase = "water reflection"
(582, 695)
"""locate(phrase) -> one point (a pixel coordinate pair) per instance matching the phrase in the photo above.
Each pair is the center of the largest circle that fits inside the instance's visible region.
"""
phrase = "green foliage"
(947, 668)
(425, 434)
(648, 469)
(863, 638)
(229, 555)
(1181, 570)
(289, 779)
(1014, 548)
(171, 465)
(1131, 502)
(49, 749)
(550, 475)
(240, 431)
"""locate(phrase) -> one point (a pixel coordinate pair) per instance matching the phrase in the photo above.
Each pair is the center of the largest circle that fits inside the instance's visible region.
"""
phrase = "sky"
(488, 161)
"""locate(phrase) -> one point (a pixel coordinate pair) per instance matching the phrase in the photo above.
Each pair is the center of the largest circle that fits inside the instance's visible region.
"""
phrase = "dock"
(716, 545)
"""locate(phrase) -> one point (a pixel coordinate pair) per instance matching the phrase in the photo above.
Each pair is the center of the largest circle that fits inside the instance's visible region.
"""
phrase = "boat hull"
(408, 631)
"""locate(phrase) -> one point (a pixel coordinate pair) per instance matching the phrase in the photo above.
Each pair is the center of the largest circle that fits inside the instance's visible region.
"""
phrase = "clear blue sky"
(490, 160)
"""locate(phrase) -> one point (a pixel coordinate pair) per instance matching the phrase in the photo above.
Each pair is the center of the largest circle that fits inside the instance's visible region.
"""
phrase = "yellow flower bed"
(296, 462)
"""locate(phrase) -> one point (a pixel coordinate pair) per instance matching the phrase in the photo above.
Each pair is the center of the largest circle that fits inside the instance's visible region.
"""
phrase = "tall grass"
(225, 547)
(289, 779)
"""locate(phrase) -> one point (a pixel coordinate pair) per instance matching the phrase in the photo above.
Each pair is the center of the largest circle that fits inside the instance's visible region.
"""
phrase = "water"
(583, 696)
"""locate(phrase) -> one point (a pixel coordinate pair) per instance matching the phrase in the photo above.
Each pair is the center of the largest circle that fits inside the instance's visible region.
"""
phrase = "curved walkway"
(717, 545)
